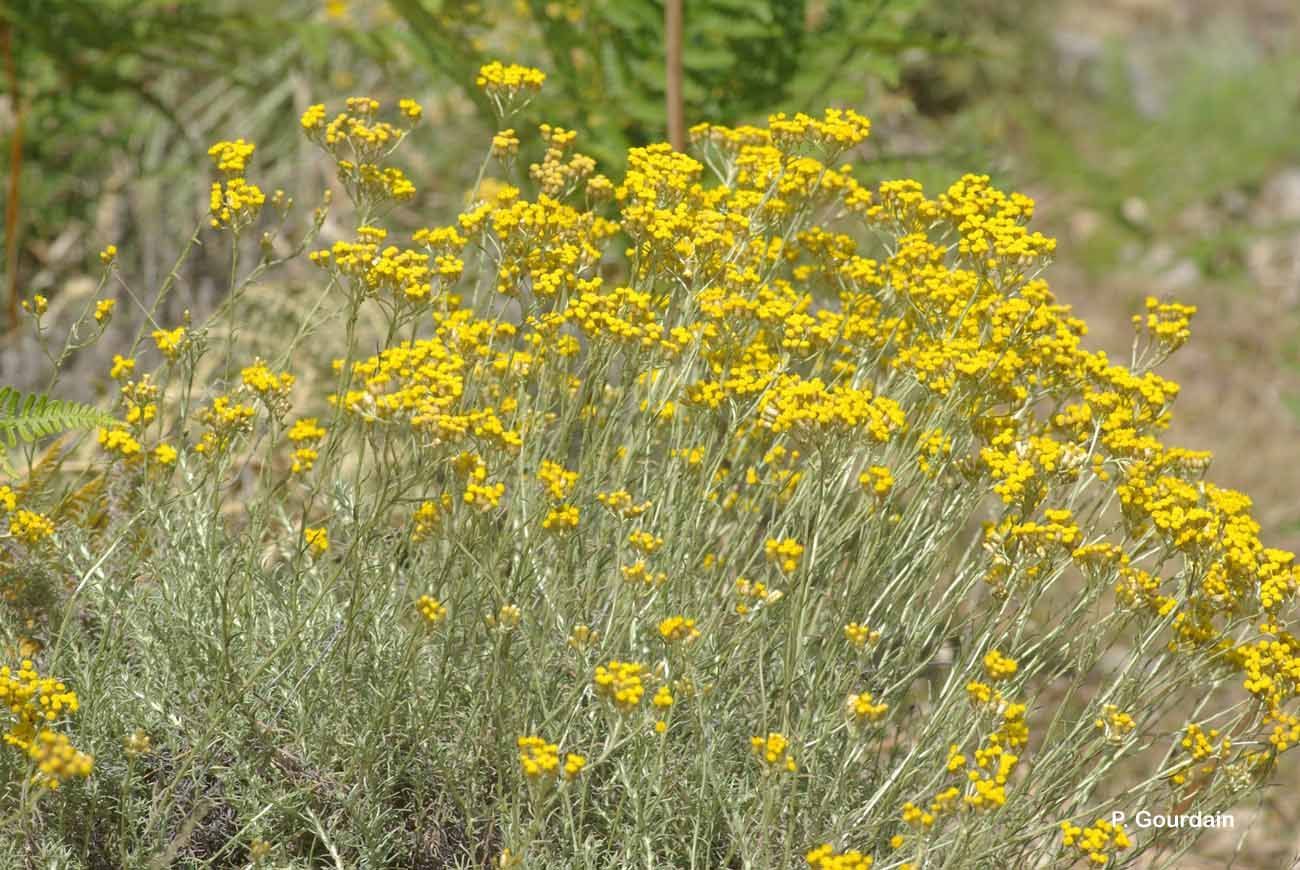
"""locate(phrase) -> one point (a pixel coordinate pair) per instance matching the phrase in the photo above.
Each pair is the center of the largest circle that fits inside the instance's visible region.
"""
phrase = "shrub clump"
(798, 510)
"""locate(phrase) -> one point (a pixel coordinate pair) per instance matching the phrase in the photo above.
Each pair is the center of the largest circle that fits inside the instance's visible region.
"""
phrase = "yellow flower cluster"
(359, 143)
(999, 667)
(119, 442)
(1098, 842)
(987, 780)
(1166, 323)
(550, 249)
(504, 81)
(484, 497)
(809, 409)
(877, 479)
(232, 157)
(317, 539)
(784, 553)
(431, 609)
(645, 542)
(402, 275)
(30, 527)
(1116, 724)
(863, 709)
(263, 381)
(428, 516)
(305, 434)
(753, 596)
(141, 401)
(676, 629)
(35, 703)
(825, 857)
(837, 131)
(226, 418)
(505, 144)
(773, 752)
(505, 620)
(620, 502)
(234, 204)
(557, 480)
(555, 176)
(271, 388)
(122, 367)
(860, 635)
(170, 341)
(582, 637)
(1203, 756)
(621, 683)
(37, 306)
(421, 384)
(638, 572)
(540, 759)
(561, 518)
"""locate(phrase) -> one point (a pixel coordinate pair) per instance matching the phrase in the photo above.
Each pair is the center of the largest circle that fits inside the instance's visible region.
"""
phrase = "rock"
(1279, 199)
(1274, 267)
(1136, 211)
(1181, 276)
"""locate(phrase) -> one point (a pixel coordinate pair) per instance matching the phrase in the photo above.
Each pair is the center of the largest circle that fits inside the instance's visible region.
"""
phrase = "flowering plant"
(799, 510)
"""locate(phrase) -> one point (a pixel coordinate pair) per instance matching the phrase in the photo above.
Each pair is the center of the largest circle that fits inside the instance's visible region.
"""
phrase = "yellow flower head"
(231, 157)
(773, 752)
(538, 758)
(502, 79)
(621, 683)
(999, 667)
(860, 635)
(104, 310)
(678, 629)
(863, 709)
(30, 527)
(431, 609)
(784, 553)
(317, 539)
(169, 341)
(122, 367)
(825, 857)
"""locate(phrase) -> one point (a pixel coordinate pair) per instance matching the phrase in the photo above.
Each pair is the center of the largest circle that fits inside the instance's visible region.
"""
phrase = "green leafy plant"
(742, 59)
(30, 416)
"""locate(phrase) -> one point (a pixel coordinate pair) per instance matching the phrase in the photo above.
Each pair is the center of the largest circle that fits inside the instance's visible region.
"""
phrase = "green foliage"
(31, 416)
(81, 64)
(149, 85)
(743, 59)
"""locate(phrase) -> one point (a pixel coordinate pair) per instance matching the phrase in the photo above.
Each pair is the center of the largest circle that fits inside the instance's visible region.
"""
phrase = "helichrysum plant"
(728, 513)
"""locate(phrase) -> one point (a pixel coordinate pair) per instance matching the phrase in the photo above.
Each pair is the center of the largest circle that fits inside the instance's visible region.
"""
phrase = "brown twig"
(673, 41)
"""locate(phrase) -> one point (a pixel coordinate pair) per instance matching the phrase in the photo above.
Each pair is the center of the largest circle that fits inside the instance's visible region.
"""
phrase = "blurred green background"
(1161, 139)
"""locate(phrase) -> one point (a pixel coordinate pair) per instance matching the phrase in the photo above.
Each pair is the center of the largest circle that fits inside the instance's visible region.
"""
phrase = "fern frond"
(31, 416)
